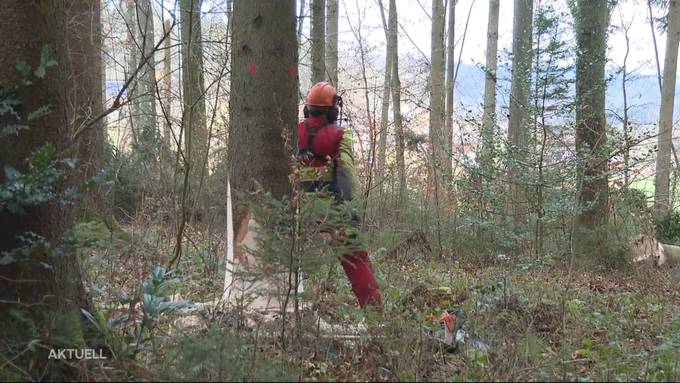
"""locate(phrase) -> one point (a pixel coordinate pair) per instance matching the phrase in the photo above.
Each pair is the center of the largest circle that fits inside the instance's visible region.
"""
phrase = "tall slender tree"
(193, 98)
(450, 79)
(662, 201)
(519, 103)
(396, 108)
(439, 179)
(167, 84)
(385, 107)
(489, 116)
(332, 41)
(147, 131)
(318, 38)
(592, 19)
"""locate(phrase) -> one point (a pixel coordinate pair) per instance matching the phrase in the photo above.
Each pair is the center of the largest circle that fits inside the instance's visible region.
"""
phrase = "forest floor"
(539, 319)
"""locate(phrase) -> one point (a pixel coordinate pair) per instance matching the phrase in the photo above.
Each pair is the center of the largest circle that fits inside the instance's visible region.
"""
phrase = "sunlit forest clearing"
(339, 190)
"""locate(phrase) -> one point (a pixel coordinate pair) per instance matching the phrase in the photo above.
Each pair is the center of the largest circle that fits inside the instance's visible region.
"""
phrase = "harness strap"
(308, 150)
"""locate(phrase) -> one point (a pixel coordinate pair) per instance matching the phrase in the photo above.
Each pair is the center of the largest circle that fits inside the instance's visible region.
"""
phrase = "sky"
(414, 16)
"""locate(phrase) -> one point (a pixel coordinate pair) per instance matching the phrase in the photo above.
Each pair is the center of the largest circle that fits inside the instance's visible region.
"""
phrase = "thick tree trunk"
(318, 38)
(263, 111)
(263, 103)
(332, 41)
(662, 201)
(193, 98)
(591, 32)
(519, 104)
(489, 116)
(71, 30)
(439, 179)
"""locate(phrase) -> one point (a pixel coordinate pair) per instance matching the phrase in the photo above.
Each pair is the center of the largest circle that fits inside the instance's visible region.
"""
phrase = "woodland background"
(504, 176)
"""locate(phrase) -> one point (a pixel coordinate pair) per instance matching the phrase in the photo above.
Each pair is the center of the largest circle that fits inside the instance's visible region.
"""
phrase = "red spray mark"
(292, 71)
(252, 68)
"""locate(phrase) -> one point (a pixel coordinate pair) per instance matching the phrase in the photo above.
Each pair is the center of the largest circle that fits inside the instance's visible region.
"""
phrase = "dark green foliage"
(128, 183)
(668, 228)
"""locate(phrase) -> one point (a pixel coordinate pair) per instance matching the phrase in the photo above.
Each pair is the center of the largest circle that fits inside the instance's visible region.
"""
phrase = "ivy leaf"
(45, 62)
(7, 259)
(12, 129)
(43, 110)
(11, 173)
(23, 68)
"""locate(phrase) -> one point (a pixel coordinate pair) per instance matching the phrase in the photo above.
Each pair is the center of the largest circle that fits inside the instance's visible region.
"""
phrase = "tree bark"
(193, 98)
(167, 86)
(318, 38)
(519, 104)
(385, 107)
(450, 84)
(332, 41)
(439, 179)
(149, 137)
(662, 201)
(263, 102)
(592, 20)
(489, 116)
(396, 108)
(132, 62)
(71, 30)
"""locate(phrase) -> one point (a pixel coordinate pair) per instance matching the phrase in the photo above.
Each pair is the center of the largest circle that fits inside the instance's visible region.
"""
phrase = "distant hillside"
(643, 94)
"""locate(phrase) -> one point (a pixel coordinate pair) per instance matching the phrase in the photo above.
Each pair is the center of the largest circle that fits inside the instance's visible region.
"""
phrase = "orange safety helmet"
(322, 94)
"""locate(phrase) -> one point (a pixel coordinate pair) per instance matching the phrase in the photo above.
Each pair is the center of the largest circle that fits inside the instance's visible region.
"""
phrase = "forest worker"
(326, 166)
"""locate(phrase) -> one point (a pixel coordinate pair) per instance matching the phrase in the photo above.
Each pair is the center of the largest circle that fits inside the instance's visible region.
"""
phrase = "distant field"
(647, 186)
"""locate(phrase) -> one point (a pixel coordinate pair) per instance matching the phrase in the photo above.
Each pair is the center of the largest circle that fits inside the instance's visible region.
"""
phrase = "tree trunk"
(332, 41)
(148, 140)
(263, 110)
(167, 86)
(439, 179)
(519, 105)
(450, 91)
(263, 102)
(318, 39)
(591, 35)
(385, 107)
(489, 117)
(396, 108)
(71, 30)
(193, 98)
(133, 58)
(662, 201)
